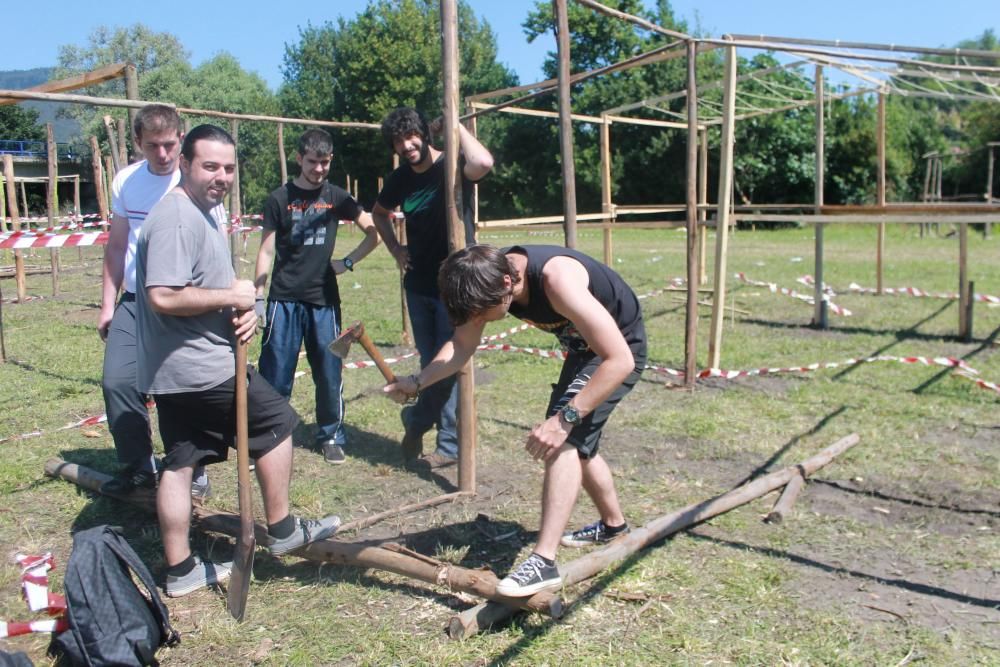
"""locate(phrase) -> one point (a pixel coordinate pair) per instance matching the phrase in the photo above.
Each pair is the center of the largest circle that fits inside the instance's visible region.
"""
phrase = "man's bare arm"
(189, 300)
(113, 272)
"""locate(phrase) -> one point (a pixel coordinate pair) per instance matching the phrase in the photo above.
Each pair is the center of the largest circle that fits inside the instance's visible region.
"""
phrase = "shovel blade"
(239, 580)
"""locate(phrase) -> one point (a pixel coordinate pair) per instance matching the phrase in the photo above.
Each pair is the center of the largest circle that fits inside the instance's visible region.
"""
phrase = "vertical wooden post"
(123, 160)
(52, 199)
(606, 188)
(3, 205)
(24, 198)
(282, 158)
(691, 202)
(235, 207)
(880, 250)
(724, 201)
(109, 127)
(109, 176)
(76, 195)
(131, 93)
(15, 225)
(927, 191)
(819, 311)
(964, 330)
(401, 235)
(703, 201)
(457, 236)
(565, 124)
(988, 226)
(99, 192)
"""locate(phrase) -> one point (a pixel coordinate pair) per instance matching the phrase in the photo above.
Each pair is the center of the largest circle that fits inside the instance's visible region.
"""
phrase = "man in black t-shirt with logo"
(418, 187)
(598, 321)
(301, 219)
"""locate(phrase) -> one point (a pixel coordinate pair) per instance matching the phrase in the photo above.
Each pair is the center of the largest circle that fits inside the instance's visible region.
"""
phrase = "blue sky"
(254, 32)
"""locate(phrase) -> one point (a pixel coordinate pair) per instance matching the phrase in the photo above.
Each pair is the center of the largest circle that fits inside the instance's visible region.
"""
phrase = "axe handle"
(376, 356)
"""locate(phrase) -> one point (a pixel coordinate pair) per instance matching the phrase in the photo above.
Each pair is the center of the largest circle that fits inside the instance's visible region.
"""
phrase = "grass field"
(891, 555)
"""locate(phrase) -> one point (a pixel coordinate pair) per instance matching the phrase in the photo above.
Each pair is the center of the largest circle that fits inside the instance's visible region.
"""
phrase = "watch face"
(348, 264)
(571, 415)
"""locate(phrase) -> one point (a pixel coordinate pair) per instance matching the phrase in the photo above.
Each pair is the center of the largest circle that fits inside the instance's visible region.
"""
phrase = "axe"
(356, 332)
(239, 582)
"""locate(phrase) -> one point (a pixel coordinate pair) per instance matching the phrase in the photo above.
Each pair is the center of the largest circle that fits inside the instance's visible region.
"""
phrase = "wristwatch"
(348, 263)
(570, 415)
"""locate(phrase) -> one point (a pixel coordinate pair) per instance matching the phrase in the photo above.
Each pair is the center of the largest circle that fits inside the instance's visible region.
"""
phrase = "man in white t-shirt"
(134, 191)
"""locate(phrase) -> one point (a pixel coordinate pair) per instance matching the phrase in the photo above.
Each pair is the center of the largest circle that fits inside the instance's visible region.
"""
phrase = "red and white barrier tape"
(67, 218)
(87, 421)
(838, 310)
(13, 628)
(50, 230)
(31, 240)
(35, 587)
(916, 291)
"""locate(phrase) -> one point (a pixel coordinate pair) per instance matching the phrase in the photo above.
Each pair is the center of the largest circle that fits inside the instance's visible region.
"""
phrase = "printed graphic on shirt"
(419, 200)
(308, 226)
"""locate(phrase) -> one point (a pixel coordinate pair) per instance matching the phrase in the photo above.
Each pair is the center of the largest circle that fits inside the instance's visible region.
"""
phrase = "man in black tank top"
(597, 318)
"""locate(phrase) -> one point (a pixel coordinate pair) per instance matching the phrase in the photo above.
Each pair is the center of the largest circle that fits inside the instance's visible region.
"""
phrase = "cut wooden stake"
(786, 500)
(482, 616)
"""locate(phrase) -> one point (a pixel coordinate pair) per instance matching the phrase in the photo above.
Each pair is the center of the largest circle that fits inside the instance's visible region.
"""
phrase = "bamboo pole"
(472, 620)
(724, 201)
(565, 123)
(820, 308)
(702, 204)
(457, 235)
(606, 205)
(15, 225)
(282, 158)
(691, 175)
(880, 249)
(52, 199)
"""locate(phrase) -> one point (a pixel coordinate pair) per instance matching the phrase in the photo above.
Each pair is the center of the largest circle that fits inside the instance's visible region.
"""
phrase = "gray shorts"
(199, 427)
(576, 373)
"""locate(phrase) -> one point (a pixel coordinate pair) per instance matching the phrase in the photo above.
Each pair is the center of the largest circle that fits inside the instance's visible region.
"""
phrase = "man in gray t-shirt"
(192, 309)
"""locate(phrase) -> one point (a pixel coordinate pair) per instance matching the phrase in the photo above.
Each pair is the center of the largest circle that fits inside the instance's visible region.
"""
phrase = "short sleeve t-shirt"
(134, 192)
(423, 202)
(305, 224)
(181, 246)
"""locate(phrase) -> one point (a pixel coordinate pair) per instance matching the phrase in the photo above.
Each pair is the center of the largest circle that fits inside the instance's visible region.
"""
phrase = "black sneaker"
(333, 453)
(595, 533)
(129, 480)
(529, 577)
(306, 532)
(413, 441)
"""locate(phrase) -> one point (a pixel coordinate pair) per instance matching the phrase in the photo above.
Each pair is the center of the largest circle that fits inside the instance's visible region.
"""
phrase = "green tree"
(387, 56)
(20, 123)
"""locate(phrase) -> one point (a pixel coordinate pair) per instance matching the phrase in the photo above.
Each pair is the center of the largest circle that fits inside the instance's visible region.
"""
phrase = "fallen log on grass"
(482, 616)
(386, 556)
(788, 497)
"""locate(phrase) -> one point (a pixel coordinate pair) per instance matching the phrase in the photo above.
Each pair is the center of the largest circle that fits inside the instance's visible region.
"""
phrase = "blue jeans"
(437, 404)
(288, 324)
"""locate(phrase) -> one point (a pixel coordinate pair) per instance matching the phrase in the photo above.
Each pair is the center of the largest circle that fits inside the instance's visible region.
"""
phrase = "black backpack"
(115, 614)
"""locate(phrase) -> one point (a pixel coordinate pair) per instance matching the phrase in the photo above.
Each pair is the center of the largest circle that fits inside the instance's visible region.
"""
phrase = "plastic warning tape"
(14, 628)
(43, 240)
(49, 230)
(916, 291)
(949, 362)
(774, 288)
(87, 421)
(505, 334)
(67, 218)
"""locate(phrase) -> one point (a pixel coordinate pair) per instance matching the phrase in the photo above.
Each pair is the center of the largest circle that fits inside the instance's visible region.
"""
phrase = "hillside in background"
(65, 128)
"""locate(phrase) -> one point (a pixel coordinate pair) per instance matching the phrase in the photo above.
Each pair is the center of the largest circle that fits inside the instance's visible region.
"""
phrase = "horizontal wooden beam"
(539, 112)
(92, 78)
(897, 218)
(957, 53)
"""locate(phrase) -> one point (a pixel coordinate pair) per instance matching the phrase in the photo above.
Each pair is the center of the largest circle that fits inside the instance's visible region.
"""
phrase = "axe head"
(342, 345)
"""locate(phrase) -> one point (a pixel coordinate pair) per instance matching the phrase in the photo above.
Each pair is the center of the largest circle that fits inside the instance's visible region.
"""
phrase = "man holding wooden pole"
(135, 190)
(598, 321)
(418, 186)
(191, 310)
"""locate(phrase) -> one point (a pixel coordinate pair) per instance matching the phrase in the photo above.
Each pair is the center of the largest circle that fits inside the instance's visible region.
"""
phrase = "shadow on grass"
(986, 344)
(872, 493)
(912, 586)
(52, 375)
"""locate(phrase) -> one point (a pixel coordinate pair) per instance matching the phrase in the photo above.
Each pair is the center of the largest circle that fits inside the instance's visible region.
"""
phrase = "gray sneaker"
(306, 532)
(203, 575)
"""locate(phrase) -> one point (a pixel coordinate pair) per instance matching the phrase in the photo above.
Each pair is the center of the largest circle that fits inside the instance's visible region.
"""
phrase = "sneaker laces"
(528, 570)
(594, 530)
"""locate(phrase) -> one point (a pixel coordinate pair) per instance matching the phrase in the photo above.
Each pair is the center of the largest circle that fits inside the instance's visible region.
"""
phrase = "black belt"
(127, 296)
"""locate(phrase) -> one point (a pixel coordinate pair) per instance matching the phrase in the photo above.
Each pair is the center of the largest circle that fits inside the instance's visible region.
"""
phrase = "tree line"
(359, 69)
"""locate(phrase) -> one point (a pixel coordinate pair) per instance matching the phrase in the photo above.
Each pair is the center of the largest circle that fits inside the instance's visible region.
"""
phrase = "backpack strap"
(116, 542)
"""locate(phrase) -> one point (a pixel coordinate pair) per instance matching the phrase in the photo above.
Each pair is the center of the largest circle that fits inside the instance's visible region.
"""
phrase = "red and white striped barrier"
(35, 587)
(14, 628)
(916, 291)
(43, 240)
(949, 362)
(62, 218)
(87, 421)
(838, 310)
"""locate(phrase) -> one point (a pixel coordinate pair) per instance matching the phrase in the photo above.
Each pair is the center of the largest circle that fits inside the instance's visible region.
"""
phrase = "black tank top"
(610, 290)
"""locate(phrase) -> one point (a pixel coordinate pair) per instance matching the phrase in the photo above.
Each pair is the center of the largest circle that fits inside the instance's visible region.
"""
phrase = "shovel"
(239, 582)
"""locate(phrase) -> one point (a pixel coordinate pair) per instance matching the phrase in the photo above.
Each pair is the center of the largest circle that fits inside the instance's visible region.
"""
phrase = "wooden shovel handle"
(376, 356)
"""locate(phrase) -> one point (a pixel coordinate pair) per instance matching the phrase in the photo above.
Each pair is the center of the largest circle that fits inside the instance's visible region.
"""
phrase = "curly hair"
(471, 281)
(403, 121)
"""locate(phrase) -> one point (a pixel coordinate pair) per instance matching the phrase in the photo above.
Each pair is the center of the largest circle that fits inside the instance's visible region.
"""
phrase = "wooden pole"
(470, 621)
(565, 124)
(401, 236)
(988, 227)
(691, 174)
(457, 236)
(925, 197)
(282, 158)
(786, 500)
(606, 188)
(703, 202)
(15, 224)
(235, 210)
(724, 202)
(99, 192)
(880, 250)
(109, 127)
(131, 93)
(964, 330)
(820, 311)
(122, 144)
(76, 194)
(24, 198)
(52, 199)
(109, 176)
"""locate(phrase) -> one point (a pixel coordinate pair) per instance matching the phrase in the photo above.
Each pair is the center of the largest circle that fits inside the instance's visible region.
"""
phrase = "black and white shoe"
(531, 576)
(595, 533)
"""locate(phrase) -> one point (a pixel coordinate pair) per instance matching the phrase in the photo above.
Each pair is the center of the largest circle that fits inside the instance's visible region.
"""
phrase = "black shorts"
(199, 427)
(576, 373)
